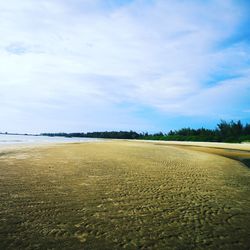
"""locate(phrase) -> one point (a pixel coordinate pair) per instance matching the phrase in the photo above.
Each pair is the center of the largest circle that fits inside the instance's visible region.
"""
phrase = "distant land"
(224, 132)
(7, 133)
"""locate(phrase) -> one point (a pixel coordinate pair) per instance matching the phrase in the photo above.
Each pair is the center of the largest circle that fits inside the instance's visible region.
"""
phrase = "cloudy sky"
(146, 65)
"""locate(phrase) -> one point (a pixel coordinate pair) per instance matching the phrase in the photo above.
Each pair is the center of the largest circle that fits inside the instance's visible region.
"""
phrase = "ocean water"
(28, 139)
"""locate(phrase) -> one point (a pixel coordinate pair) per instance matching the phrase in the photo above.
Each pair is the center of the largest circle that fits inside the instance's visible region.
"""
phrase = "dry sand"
(239, 152)
(115, 195)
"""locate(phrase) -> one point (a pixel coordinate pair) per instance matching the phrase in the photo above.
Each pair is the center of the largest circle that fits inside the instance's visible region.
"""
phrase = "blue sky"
(146, 65)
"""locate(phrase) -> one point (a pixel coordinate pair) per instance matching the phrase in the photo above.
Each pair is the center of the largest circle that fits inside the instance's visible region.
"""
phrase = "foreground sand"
(114, 195)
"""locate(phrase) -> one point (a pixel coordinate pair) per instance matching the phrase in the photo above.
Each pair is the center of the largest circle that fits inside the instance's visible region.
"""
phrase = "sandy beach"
(125, 195)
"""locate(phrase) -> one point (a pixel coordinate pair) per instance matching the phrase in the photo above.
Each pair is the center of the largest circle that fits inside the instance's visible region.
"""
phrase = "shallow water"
(28, 139)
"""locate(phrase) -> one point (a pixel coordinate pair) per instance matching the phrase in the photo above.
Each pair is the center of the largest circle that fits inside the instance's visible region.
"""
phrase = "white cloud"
(88, 55)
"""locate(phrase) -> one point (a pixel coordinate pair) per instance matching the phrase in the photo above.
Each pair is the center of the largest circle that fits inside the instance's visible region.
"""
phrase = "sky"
(144, 65)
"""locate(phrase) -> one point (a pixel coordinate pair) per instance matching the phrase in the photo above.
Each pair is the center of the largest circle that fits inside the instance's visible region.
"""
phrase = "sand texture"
(122, 195)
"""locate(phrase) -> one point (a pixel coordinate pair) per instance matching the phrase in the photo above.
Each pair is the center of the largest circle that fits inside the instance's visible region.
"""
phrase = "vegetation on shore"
(224, 132)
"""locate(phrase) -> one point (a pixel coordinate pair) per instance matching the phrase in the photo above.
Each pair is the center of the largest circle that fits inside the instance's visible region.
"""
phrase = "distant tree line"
(106, 134)
(224, 132)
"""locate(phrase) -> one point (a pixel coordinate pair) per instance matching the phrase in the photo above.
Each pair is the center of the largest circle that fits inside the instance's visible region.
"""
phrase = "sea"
(7, 139)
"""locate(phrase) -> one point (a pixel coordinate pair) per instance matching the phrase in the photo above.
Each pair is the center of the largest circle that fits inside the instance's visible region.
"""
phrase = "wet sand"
(123, 195)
